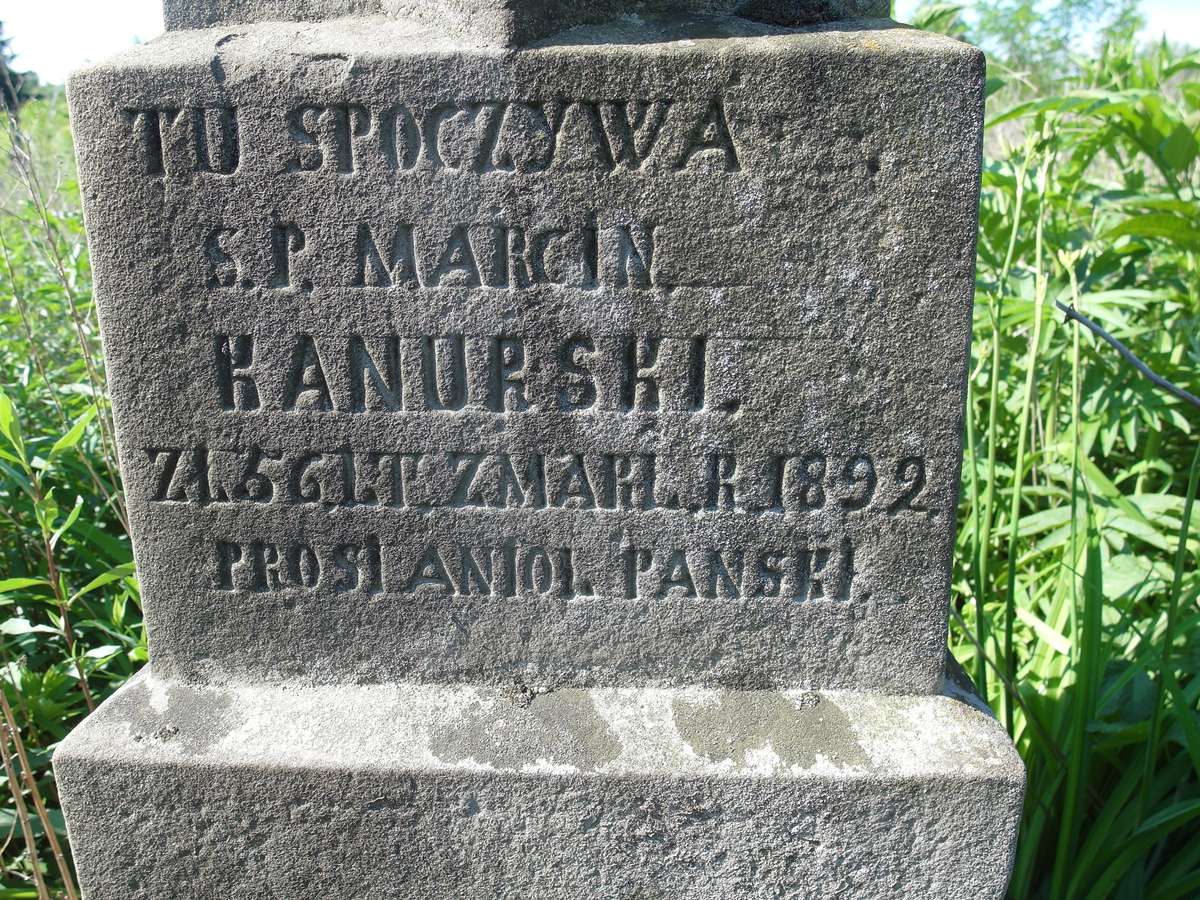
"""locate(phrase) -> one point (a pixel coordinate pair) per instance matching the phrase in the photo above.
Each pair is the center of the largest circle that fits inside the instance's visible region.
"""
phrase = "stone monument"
(541, 428)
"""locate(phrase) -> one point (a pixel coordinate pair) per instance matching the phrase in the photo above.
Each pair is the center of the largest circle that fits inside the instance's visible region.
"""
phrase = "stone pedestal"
(448, 791)
(541, 429)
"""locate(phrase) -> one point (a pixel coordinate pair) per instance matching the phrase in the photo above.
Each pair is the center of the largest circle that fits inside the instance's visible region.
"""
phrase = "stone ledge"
(173, 790)
(338, 47)
(505, 23)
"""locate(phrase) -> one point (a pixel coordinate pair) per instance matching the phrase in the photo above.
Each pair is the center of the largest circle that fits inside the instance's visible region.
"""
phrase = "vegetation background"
(1076, 582)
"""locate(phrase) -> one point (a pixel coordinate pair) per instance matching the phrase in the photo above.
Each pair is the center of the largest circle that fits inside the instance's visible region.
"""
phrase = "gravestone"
(541, 429)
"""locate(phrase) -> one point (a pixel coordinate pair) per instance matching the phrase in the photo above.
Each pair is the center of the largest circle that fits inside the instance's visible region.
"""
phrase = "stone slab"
(636, 357)
(428, 791)
(507, 22)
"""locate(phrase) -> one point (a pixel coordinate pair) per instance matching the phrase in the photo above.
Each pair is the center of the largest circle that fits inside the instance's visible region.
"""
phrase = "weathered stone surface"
(634, 358)
(522, 448)
(507, 22)
(423, 791)
(183, 14)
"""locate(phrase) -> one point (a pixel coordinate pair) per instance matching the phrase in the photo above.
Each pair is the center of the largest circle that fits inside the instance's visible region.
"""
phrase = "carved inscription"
(398, 375)
(790, 484)
(457, 255)
(471, 137)
(261, 567)
(508, 569)
(811, 501)
(512, 136)
(383, 374)
(798, 574)
(173, 141)
(496, 571)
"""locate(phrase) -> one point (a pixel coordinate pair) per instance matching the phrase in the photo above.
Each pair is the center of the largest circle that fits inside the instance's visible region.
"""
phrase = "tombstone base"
(430, 791)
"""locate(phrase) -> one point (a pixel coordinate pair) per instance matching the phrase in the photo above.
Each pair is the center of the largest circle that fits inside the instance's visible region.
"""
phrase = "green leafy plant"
(1076, 583)
(70, 622)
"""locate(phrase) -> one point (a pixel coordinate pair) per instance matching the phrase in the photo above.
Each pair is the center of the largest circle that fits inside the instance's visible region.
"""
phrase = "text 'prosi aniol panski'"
(506, 569)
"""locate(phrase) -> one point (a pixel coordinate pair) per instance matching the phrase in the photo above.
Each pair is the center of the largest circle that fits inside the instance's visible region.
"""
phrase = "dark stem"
(1128, 355)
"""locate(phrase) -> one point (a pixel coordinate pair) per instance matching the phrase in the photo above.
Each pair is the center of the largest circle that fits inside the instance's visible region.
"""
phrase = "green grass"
(1075, 582)
(1075, 585)
(70, 620)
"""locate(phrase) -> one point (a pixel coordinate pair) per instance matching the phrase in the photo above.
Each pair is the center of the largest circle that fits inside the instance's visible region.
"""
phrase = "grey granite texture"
(507, 22)
(185, 14)
(536, 458)
(436, 791)
(633, 358)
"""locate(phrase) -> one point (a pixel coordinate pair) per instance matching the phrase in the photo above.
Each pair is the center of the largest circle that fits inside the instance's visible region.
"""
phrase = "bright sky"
(1179, 20)
(52, 37)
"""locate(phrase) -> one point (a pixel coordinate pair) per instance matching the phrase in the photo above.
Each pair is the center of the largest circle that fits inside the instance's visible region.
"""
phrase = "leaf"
(17, 626)
(1161, 226)
(1085, 103)
(1171, 817)
(16, 584)
(116, 573)
(45, 511)
(1191, 94)
(103, 652)
(1179, 149)
(71, 517)
(1027, 108)
(1163, 204)
(1044, 631)
(939, 17)
(114, 548)
(9, 426)
(73, 436)
(1187, 720)
(8, 822)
